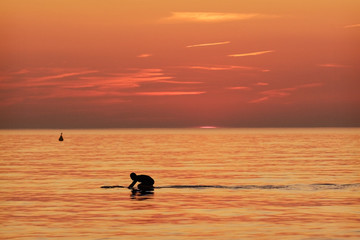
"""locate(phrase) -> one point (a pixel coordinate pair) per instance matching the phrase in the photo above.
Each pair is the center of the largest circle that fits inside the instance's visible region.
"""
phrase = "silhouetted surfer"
(61, 137)
(146, 182)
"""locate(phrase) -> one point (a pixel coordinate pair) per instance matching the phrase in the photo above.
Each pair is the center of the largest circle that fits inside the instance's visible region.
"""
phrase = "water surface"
(210, 184)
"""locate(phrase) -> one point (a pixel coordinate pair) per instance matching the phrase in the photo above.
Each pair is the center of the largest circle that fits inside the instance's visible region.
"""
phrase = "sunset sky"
(179, 63)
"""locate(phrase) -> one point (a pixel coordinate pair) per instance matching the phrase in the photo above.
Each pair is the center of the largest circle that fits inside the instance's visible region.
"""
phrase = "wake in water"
(315, 186)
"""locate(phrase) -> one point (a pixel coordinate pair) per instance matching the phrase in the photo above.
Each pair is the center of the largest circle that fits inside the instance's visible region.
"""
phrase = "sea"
(223, 183)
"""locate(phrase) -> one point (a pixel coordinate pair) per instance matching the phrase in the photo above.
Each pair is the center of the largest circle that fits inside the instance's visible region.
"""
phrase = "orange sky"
(179, 63)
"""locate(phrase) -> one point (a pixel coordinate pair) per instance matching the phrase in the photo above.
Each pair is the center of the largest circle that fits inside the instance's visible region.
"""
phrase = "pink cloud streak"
(250, 53)
(333, 65)
(228, 67)
(167, 93)
(283, 92)
(239, 88)
(208, 44)
(86, 84)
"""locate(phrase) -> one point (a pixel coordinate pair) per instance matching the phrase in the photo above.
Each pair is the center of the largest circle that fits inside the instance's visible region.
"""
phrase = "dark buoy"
(61, 138)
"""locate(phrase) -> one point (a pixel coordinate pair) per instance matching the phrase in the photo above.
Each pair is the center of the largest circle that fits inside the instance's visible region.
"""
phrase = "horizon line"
(187, 127)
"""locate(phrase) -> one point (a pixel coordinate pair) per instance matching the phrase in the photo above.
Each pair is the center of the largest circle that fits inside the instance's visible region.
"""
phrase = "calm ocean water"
(210, 184)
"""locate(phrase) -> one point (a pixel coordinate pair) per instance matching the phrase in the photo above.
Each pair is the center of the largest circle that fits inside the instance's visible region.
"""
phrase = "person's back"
(146, 182)
(145, 179)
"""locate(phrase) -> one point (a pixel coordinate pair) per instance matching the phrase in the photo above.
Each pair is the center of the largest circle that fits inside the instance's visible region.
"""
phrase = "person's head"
(133, 176)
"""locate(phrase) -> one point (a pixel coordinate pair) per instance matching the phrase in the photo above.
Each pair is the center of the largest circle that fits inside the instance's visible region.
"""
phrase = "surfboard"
(115, 186)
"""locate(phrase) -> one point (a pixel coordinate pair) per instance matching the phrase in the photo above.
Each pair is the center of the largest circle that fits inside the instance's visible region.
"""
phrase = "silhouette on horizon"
(61, 138)
(146, 182)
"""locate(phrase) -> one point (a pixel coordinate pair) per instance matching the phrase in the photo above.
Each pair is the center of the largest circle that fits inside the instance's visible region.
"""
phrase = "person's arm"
(132, 184)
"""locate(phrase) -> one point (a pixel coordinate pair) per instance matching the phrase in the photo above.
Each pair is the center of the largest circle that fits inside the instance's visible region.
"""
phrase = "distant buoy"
(61, 137)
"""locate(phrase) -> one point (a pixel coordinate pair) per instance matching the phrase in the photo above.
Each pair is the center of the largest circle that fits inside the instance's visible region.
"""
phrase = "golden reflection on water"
(262, 184)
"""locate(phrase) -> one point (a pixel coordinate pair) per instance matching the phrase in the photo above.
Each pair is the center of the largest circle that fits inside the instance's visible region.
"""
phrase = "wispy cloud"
(38, 85)
(287, 91)
(250, 53)
(239, 88)
(227, 67)
(261, 84)
(283, 92)
(333, 65)
(144, 55)
(64, 75)
(209, 16)
(211, 68)
(310, 85)
(41, 78)
(22, 71)
(179, 82)
(262, 99)
(208, 44)
(174, 93)
(213, 16)
(352, 26)
(127, 80)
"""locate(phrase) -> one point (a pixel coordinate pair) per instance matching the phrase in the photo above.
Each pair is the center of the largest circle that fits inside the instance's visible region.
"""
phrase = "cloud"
(332, 65)
(22, 71)
(84, 85)
(211, 68)
(167, 93)
(283, 92)
(262, 84)
(239, 88)
(86, 78)
(213, 16)
(250, 53)
(208, 44)
(179, 82)
(262, 99)
(63, 75)
(144, 55)
(310, 85)
(209, 16)
(36, 78)
(278, 92)
(127, 80)
(227, 67)
(352, 26)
